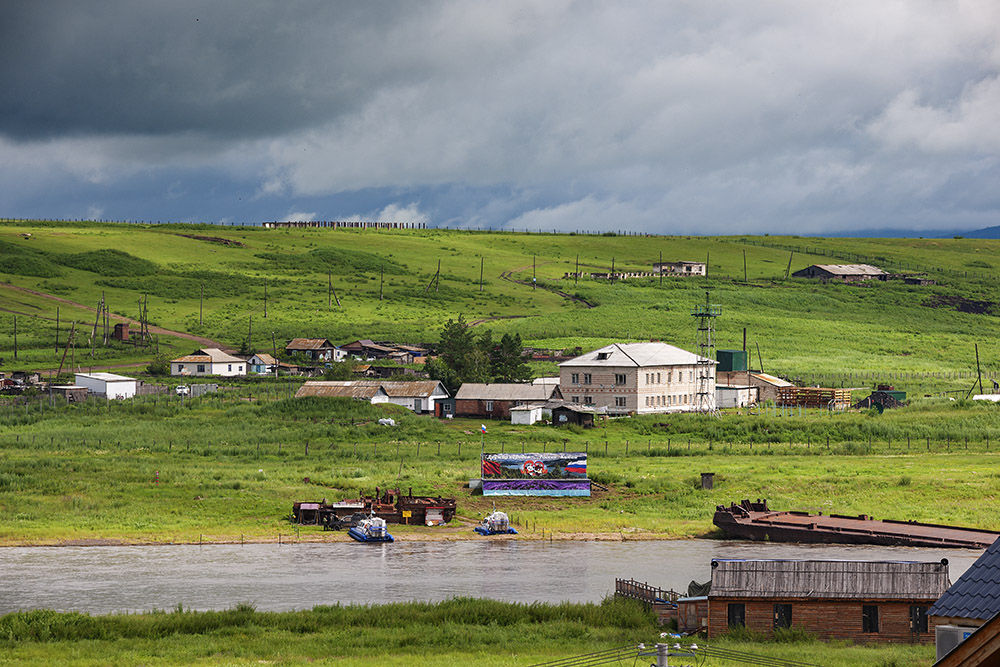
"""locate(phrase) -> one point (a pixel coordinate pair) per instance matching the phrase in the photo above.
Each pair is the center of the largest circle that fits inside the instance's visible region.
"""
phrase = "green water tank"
(731, 360)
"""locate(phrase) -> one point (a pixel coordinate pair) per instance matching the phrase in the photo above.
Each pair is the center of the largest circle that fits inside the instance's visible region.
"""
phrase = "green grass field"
(460, 631)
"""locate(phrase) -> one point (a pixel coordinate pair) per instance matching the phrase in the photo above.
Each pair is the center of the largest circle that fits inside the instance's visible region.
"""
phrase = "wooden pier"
(663, 601)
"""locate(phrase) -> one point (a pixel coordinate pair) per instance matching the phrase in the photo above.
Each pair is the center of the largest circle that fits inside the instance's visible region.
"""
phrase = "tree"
(461, 357)
(506, 360)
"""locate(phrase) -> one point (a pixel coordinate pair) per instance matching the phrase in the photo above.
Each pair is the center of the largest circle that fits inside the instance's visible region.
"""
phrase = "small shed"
(692, 614)
(878, 601)
(845, 273)
(567, 414)
(735, 396)
(527, 414)
(70, 392)
(108, 385)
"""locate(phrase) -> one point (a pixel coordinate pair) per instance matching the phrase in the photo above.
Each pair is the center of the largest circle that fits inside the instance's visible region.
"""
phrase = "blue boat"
(496, 523)
(372, 529)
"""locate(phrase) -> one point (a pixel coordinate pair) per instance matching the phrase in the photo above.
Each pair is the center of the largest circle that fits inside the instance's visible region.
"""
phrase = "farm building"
(879, 601)
(495, 400)
(814, 397)
(639, 378)
(343, 389)
(208, 361)
(969, 603)
(419, 395)
(767, 386)
(107, 385)
(680, 268)
(316, 349)
(847, 273)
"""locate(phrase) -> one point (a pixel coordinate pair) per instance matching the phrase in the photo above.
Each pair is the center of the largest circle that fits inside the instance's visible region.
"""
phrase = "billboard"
(555, 474)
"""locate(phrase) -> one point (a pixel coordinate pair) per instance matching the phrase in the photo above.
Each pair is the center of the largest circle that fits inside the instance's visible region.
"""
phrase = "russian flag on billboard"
(483, 427)
(578, 466)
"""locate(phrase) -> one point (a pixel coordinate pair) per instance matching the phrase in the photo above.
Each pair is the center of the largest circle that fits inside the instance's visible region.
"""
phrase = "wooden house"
(494, 400)
(262, 364)
(971, 602)
(70, 393)
(367, 349)
(208, 361)
(573, 414)
(862, 601)
(316, 349)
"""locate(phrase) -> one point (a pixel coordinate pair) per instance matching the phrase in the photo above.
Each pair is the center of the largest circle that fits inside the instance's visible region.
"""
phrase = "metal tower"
(705, 395)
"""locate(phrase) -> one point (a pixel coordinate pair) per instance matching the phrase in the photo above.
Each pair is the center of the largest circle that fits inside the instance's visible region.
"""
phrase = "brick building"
(863, 601)
(494, 400)
(638, 378)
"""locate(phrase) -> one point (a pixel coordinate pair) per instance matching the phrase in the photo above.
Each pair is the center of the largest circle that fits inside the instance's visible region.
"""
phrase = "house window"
(869, 618)
(575, 399)
(201, 368)
(180, 368)
(670, 377)
(588, 400)
(574, 378)
(586, 378)
(737, 615)
(657, 378)
(619, 378)
(619, 401)
(239, 369)
(601, 356)
(230, 367)
(782, 616)
(489, 406)
(918, 619)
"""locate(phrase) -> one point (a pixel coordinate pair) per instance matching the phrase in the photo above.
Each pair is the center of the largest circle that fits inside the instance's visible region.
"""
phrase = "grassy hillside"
(802, 328)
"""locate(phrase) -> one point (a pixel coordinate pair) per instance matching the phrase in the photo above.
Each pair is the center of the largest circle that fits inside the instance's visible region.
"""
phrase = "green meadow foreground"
(223, 468)
(459, 631)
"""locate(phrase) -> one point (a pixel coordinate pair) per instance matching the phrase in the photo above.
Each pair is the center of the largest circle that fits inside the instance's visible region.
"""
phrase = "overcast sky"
(666, 117)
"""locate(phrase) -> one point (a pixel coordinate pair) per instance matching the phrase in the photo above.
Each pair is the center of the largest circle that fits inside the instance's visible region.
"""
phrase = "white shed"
(527, 414)
(108, 385)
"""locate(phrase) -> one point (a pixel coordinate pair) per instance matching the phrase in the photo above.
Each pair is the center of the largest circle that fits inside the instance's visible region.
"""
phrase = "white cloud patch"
(299, 216)
(410, 213)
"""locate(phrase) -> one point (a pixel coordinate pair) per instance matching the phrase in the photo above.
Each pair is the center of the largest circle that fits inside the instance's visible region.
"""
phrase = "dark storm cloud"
(661, 116)
(236, 69)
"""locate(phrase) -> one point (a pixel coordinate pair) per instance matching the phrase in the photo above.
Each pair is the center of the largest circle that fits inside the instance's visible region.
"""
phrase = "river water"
(101, 580)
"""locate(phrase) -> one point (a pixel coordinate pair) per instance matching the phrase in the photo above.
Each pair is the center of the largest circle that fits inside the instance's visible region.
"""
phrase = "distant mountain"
(987, 233)
(892, 233)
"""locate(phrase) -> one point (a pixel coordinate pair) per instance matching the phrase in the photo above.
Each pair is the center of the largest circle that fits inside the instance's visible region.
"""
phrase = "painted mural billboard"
(555, 474)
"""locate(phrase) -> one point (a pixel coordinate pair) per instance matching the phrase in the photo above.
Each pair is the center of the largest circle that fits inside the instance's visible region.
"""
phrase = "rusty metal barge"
(756, 521)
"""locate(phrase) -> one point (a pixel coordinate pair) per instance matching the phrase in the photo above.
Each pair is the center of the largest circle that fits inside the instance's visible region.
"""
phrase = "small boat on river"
(497, 523)
(756, 521)
(372, 529)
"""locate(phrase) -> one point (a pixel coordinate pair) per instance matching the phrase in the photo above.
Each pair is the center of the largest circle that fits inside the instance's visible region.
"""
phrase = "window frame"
(741, 615)
(869, 619)
(782, 620)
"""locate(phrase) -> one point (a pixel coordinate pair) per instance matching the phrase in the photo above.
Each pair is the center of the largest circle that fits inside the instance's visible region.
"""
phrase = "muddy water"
(272, 577)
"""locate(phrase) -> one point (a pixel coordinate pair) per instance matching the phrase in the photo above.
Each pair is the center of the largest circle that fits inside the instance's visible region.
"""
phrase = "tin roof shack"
(367, 349)
(527, 414)
(844, 273)
(70, 393)
(107, 385)
(494, 401)
(208, 361)
(862, 601)
(573, 414)
(969, 603)
(639, 378)
(317, 349)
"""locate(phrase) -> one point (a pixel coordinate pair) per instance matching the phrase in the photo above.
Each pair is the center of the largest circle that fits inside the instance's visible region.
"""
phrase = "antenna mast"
(705, 342)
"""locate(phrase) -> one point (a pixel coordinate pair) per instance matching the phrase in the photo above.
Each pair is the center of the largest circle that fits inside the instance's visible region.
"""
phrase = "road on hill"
(506, 275)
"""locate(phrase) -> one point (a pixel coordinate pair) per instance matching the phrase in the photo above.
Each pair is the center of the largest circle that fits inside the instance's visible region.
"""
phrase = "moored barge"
(756, 521)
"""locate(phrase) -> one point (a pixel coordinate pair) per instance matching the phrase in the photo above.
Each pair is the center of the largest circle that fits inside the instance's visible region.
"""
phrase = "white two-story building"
(640, 378)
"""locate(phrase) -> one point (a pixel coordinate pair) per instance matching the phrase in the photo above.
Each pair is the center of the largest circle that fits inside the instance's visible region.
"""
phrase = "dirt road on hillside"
(201, 340)
(506, 275)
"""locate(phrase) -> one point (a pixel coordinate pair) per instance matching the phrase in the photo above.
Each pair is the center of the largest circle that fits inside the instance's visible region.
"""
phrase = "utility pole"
(381, 280)
(661, 268)
(576, 276)
(201, 304)
(250, 335)
(745, 265)
(532, 272)
(274, 354)
(482, 261)
(57, 329)
(265, 298)
(15, 337)
(789, 269)
(69, 342)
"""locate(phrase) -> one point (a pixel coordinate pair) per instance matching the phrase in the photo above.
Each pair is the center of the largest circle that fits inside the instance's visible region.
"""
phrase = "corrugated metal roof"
(772, 380)
(339, 389)
(976, 594)
(209, 354)
(851, 269)
(636, 355)
(193, 359)
(309, 344)
(392, 389)
(828, 579)
(500, 391)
